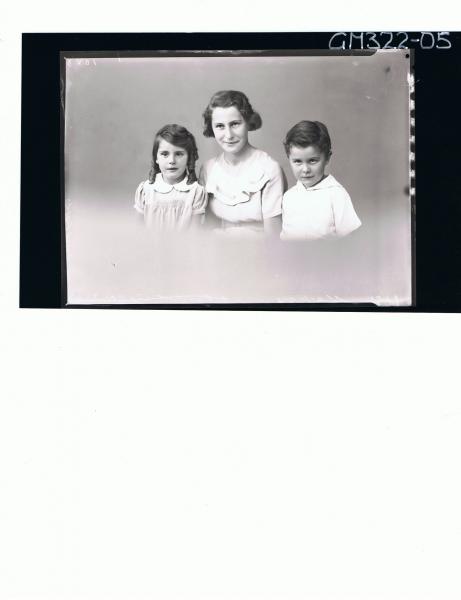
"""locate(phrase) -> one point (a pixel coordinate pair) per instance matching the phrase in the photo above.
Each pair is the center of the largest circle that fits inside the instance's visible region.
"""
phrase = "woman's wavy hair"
(225, 99)
(178, 136)
(308, 133)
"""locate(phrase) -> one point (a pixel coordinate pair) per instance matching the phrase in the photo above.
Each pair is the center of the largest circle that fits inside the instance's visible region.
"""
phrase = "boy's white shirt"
(325, 209)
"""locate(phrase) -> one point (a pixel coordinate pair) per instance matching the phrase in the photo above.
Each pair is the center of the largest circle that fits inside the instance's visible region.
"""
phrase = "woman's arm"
(197, 221)
(271, 198)
(273, 225)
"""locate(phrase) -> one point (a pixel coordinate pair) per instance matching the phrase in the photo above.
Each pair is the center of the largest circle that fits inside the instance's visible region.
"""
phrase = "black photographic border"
(436, 250)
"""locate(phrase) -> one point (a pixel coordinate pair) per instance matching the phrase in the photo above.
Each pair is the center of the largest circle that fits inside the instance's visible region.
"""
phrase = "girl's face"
(172, 161)
(308, 164)
(230, 129)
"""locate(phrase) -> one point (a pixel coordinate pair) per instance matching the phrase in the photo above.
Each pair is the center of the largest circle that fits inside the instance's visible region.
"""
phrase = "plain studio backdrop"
(114, 106)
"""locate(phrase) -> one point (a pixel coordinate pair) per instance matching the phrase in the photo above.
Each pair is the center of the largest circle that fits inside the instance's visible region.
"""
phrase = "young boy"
(317, 206)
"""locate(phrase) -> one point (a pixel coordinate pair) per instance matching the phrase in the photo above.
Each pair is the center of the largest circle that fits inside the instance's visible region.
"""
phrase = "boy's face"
(308, 164)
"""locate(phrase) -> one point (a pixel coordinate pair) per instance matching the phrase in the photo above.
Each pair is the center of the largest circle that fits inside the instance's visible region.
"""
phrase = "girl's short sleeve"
(139, 199)
(346, 219)
(200, 201)
(202, 176)
(272, 193)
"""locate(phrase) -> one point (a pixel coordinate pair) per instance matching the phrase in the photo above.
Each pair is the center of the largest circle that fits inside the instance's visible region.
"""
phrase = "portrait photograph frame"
(189, 45)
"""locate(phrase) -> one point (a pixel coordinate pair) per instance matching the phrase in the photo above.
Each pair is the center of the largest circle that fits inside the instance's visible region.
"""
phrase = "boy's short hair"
(308, 133)
(225, 99)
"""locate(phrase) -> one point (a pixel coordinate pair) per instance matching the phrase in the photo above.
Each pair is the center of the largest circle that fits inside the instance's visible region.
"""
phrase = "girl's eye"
(235, 124)
(218, 126)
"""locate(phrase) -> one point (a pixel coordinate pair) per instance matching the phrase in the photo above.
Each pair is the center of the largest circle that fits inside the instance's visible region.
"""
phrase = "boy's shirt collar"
(328, 182)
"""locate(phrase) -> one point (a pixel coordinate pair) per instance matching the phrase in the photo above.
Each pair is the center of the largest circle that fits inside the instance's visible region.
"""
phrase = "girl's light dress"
(169, 206)
(242, 197)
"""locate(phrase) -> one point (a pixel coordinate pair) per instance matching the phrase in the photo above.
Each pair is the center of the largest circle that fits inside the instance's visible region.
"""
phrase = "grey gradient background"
(115, 105)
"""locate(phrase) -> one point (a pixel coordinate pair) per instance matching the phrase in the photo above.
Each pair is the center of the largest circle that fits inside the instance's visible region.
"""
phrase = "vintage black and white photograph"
(238, 177)
(231, 371)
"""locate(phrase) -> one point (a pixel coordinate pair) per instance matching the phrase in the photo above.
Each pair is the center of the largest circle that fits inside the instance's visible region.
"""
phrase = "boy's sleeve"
(272, 192)
(139, 200)
(346, 219)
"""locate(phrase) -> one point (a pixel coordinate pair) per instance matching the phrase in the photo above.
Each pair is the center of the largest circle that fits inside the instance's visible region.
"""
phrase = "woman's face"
(230, 129)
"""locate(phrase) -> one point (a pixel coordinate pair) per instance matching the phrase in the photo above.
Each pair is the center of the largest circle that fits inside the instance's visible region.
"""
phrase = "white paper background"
(221, 455)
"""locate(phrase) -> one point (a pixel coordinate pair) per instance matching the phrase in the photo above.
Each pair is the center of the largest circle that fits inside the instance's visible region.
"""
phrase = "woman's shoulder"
(255, 172)
(263, 156)
(210, 163)
(265, 162)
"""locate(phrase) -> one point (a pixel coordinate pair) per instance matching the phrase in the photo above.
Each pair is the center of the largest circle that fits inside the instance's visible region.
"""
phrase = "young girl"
(171, 198)
(245, 185)
(317, 206)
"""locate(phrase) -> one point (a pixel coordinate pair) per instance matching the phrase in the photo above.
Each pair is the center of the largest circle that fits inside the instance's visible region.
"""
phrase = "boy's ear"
(329, 156)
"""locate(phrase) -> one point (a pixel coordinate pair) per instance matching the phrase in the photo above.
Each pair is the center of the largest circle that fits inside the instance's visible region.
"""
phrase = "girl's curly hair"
(178, 136)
